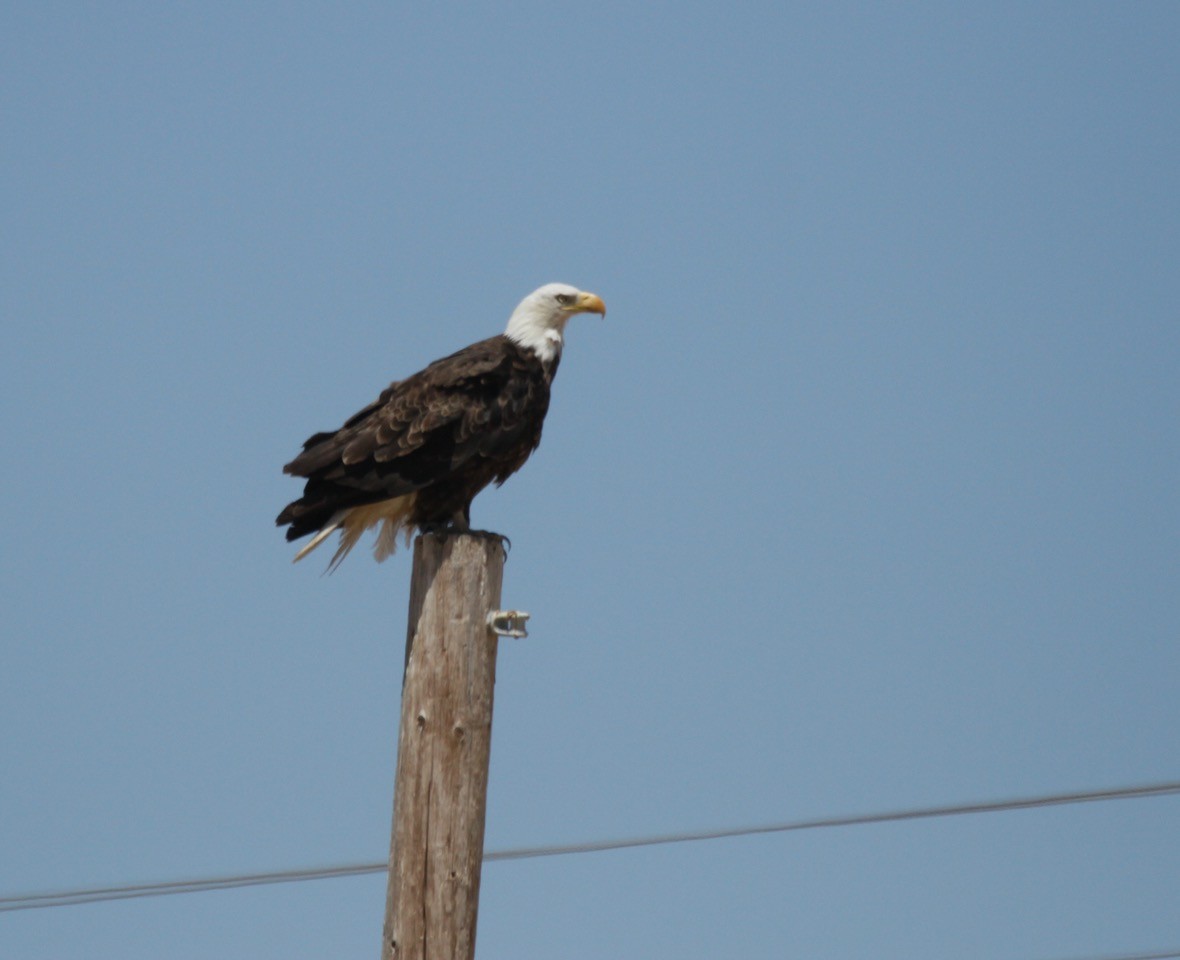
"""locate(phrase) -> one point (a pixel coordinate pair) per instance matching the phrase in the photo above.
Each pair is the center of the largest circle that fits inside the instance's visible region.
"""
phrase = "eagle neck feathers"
(541, 335)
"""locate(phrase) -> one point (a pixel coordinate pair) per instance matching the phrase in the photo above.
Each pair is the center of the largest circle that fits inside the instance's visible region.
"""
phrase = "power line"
(1172, 955)
(65, 898)
(921, 813)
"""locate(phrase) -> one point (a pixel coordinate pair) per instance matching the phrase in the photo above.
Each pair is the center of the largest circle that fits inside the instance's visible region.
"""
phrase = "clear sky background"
(864, 495)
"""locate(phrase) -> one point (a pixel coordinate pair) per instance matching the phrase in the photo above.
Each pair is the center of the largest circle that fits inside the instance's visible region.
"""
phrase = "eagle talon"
(505, 543)
(449, 529)
(443, 528)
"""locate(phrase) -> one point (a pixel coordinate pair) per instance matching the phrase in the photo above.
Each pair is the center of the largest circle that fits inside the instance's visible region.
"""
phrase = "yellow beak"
(589, 303)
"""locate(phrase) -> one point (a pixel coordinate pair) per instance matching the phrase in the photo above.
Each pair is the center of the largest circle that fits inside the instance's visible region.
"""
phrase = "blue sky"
(862, 496)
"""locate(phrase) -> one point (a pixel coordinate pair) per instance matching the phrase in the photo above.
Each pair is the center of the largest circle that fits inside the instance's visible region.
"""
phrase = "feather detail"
(325, 532)
(391, 515)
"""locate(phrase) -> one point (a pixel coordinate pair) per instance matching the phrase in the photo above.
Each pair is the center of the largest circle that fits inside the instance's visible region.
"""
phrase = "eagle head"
(539, 320)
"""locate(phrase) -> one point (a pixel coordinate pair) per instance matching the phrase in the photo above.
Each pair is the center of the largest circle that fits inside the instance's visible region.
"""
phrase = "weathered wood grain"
(444, 741)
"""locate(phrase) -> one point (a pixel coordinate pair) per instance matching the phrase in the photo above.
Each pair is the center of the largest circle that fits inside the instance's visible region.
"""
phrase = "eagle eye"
(564, 299)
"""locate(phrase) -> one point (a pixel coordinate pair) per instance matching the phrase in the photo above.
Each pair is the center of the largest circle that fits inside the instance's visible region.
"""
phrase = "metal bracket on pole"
(508, 623)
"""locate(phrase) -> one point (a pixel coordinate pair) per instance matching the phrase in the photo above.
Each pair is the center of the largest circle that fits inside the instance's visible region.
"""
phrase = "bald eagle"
(417, 456)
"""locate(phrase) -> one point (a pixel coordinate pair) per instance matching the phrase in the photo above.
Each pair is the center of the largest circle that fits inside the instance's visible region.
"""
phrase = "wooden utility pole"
(440, 792)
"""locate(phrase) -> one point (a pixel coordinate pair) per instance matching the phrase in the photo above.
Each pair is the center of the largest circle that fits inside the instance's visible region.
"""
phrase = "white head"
(539, 320)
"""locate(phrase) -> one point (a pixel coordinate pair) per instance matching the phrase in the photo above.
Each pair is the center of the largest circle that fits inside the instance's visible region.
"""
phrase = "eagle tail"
(396, 522)
(325, 532)
(392, 516)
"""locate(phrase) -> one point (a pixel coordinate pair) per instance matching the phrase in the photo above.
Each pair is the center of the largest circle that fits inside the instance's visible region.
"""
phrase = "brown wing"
(482, 403)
